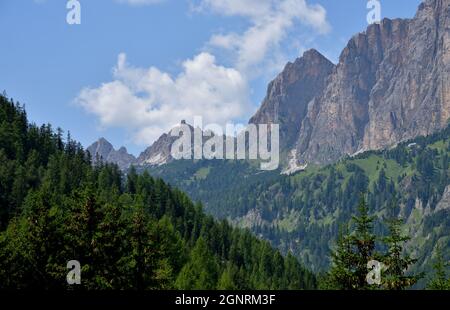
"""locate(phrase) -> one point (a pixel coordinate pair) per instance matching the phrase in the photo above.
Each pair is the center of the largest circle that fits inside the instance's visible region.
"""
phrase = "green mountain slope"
(132, 232)
(302, 213)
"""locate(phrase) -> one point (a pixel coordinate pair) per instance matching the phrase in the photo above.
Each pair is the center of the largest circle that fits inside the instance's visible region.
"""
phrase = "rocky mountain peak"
(290, 92)
(104, 150)
(391, 84)
(123, 150)
(313, 55)
(159, 152)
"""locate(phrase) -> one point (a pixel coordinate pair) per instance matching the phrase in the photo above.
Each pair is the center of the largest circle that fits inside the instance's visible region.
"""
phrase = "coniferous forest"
(304, 213)
(134, 231)
(127, 232)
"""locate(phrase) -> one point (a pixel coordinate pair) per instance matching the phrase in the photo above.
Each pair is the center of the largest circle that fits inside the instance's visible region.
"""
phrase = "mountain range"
(102, 150)
(391, 84)
(303, 213)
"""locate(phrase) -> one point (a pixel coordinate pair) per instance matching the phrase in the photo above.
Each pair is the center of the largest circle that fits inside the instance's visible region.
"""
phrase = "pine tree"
(226, 281)
(440, 281)
(29, 247)
(296, 277)
(363, 244)
(80, 226)
(396, 260)
(171, 253)
(341, 275)
(201, 272)
(110, 240)
(353, 252)
(143, 252)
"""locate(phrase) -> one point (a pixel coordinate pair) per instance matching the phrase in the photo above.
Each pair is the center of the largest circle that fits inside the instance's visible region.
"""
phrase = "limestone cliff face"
(392, 83)
(411, 96)
(288, 95)
(158, 153)
(286, 103)
(337, 118)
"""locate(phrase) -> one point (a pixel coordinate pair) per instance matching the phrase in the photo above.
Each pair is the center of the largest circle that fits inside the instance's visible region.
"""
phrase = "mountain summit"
(392, 83)
(290, 92)
(103, 150)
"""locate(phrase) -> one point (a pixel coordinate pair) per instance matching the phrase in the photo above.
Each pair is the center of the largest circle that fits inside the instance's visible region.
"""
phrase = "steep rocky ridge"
(391, 84)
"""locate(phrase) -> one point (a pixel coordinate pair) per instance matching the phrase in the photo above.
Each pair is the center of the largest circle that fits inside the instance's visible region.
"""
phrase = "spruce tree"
(226, 280)
(440, 281)
(396, 260)
(143, 260)
(363, 245)
(341, 275)
(201, 272)
(353, 252)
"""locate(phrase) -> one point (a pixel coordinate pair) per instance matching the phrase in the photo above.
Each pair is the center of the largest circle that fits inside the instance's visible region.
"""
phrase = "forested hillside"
(132, 232)
(302, 213)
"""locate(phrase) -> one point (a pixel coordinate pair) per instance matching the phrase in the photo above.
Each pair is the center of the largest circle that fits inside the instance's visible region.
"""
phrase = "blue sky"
(131, 70)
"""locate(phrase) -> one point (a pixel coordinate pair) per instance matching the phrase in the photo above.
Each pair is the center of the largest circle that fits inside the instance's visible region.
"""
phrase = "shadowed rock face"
(391, 84)
(288, 95)
(336, 120)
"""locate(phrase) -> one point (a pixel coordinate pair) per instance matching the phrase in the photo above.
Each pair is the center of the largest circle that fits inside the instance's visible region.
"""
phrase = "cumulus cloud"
(270, 22)
(149, 102)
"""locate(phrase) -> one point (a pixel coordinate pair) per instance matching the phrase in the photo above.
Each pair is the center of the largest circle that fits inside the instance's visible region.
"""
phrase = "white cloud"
(148, 102)
(270, 21)
(246, 8)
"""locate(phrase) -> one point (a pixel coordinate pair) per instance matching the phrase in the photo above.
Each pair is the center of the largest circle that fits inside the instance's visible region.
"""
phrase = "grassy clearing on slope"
(202, 173)
(373, 165)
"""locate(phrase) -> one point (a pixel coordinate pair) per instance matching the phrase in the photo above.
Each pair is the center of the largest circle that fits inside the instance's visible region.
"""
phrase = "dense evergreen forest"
(134, 231)
(302, 213)
(127, 232)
